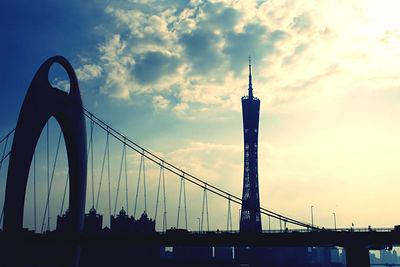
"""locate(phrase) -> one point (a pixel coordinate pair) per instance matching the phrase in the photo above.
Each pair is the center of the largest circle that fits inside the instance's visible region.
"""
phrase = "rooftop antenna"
(250, 82)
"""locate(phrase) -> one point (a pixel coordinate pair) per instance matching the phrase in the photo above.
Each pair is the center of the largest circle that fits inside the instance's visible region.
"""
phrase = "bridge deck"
(366, 239)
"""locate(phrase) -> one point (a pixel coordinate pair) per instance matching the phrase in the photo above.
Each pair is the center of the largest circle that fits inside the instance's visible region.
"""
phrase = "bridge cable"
(47, 207)
(119, 178)
(165, 201)
(126, 183)
(138, 184)
(91, 159)
(229, 216)
(269, 223)
(184, 199)
(1, 164)
(158, 194)
(65, 191)
(101, 173)
(5, 157)
(205, 205)
(179, 203)
(4, 151)
(191, 178)
(109, 177)
(144, 185)
(7, 135)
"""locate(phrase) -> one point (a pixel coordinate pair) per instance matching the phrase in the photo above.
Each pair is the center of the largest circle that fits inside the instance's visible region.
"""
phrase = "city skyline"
(171, 76)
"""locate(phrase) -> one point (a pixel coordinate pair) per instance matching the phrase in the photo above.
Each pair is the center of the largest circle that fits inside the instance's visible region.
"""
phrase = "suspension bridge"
(45, 192)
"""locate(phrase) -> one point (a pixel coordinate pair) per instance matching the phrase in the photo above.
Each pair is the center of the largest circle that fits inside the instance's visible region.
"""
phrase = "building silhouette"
(250, 219)
(93, 222)
(124, 224)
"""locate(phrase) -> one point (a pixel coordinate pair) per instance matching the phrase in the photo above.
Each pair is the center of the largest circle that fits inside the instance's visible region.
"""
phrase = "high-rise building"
(250, 219)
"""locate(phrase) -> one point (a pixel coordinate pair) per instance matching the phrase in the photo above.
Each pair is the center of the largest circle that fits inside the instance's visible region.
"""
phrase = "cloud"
(160, 102)
(301, 23)
(150, 67)
(200, 47)
(88, 72)
(194, 53)
(254, 40)
(117, 68)
(180, 108)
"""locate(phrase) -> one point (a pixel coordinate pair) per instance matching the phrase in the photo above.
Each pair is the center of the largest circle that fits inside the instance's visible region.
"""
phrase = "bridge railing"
(276, 231)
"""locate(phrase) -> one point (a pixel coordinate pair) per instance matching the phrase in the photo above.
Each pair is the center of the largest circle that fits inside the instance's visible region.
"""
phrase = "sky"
(170, 75)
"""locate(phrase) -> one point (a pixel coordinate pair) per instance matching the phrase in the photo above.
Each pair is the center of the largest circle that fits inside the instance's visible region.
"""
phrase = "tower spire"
(250, 80)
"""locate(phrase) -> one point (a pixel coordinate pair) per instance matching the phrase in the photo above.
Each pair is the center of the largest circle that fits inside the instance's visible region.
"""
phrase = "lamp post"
(312, 215)
(199, 223)
(334, 219)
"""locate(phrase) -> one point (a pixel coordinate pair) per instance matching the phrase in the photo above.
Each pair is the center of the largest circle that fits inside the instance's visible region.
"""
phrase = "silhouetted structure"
(42, 102)
(93, 222)
(62, 222)
(125, 224)
(250, 219)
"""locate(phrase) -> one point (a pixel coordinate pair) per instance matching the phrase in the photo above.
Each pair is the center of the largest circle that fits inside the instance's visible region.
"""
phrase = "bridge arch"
(42, 102)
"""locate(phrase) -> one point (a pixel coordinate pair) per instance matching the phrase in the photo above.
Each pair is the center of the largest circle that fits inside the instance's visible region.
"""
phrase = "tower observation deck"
(250, 219)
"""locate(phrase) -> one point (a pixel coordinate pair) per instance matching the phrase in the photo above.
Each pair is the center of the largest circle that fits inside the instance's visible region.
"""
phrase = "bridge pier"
(357, 256)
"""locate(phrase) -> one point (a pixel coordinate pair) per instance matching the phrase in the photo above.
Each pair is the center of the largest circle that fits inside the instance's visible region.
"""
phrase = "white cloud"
(63, 85)
(116, 66)
(180, 107)
(160, 102)
(88, 72)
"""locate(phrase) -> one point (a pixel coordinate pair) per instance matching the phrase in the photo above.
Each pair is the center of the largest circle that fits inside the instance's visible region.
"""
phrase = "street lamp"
(334, 219)
(199, 223)
(312, 215)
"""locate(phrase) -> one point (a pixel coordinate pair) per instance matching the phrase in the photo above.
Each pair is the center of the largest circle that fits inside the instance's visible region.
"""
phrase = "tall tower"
(250, 219)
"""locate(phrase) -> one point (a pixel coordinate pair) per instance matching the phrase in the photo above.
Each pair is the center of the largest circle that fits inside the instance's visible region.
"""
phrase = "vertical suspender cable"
(101, 174)
(269, 223)
(205, 206)
(184, 198)
(229, 216)
(158, 194)
(137, 187)
(126, 183)
(208, 221)
(119, 179)
(179, 203)
(91, 157)
(165, 201)
(144, 185)
(108, 176)
(202, 209)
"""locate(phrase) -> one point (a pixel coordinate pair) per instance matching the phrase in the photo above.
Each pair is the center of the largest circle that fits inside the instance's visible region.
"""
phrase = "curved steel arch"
(41, 102)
